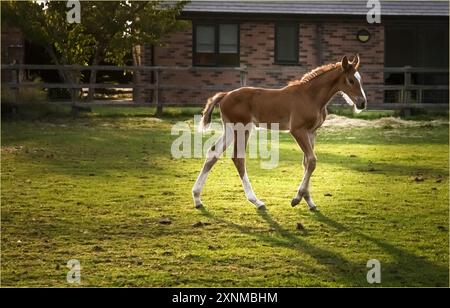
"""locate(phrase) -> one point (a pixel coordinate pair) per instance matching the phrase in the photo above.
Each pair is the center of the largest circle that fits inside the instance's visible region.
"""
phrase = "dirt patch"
(12, 149)
(340, 121)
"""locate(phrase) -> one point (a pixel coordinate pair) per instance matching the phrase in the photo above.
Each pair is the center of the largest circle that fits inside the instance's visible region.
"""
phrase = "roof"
(358, 7)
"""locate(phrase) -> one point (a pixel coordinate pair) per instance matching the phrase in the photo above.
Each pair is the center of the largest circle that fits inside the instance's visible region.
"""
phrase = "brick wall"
(258, 50)
(340, 38)
(319, 43)
(12, 50)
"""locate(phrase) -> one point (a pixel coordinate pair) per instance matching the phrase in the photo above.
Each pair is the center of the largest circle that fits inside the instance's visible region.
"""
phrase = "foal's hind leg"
(213, 155)
(305, 140)
(239, 161)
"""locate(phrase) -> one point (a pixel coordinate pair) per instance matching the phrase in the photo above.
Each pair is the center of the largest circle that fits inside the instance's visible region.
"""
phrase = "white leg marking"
(249, 193)
(212, 157)
(303, 190)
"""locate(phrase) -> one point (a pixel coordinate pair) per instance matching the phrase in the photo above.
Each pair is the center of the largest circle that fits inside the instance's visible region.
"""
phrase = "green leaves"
(108, 29)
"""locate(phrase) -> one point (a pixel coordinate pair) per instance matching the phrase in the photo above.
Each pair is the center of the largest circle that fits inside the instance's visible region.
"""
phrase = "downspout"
(318, 44)
(152, 63)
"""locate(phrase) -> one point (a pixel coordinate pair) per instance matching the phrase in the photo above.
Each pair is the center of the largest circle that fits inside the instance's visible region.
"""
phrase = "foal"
(300, 107)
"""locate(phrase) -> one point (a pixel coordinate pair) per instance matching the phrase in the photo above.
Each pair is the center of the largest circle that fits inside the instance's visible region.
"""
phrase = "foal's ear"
(345, 64)
(357, 61)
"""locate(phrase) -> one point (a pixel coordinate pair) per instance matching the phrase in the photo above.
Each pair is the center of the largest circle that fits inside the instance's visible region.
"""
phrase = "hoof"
(261, 208)
(313, 209)
(295, 201)
(257, 203)
(199, 206)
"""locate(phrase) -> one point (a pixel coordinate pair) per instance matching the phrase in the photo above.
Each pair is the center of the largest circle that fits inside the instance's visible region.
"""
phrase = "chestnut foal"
(300, 107)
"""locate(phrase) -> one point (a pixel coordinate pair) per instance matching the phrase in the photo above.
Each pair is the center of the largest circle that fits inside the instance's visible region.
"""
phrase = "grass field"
(104, 189)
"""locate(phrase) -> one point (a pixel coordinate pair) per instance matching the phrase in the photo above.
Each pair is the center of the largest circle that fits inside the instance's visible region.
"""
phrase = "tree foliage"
(108, 29)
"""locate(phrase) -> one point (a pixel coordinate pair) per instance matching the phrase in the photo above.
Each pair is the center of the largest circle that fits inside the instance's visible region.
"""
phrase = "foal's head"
(350, 84)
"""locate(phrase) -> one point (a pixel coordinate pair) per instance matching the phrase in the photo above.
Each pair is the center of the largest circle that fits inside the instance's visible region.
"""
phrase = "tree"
(109, 30)
(44, 23)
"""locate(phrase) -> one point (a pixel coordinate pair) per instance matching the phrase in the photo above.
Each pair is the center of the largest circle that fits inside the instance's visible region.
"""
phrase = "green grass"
(421, 114)
(97, 188)
(367, 114)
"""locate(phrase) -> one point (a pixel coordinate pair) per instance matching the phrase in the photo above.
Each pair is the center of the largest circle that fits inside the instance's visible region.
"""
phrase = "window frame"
(296, 25)
(216, 52)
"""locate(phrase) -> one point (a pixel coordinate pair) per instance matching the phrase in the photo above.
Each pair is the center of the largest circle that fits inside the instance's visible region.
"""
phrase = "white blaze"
(358, 77)
(348, 98)
(350, 102)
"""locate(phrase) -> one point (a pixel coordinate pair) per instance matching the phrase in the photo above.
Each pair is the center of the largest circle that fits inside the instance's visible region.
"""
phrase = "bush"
(24, 95)
(30, 104)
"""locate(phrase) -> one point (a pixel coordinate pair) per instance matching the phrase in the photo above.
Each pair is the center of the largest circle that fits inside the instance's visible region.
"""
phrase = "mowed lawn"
(104, 189)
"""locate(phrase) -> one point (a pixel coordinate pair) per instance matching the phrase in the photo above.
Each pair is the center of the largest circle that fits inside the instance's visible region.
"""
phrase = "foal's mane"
(314, 73)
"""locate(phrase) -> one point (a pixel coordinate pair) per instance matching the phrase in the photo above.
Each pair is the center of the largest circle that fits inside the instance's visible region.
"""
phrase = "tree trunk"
(92, 80)
(74, 77)
(137, 76)
(62, 73)
(93, 75)
(66, 76)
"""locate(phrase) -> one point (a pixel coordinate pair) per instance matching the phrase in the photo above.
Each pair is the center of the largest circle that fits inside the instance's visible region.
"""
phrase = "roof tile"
(359, 7)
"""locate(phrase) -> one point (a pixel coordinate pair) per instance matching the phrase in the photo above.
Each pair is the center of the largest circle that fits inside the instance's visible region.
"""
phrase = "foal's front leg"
(307, 196)
(305, 140)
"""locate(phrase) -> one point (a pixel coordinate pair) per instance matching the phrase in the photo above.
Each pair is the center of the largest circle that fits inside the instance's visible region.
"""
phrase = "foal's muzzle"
(361, 103)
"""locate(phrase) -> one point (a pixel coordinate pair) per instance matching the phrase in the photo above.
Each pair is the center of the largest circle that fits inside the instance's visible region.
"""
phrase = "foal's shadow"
(404, 262)
(404, 267)
(339, 268)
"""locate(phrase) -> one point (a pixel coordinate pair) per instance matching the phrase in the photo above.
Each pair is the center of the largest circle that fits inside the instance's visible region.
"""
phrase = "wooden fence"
(404, 89)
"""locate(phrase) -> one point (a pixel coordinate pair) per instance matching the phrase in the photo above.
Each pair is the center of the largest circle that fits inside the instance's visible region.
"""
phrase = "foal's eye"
(351, 81)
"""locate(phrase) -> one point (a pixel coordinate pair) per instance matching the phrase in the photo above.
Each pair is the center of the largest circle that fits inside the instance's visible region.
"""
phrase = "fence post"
(15, 80)
(407, 83)
(243, 76)
(138, 91)
(71, 74)
(156, 100)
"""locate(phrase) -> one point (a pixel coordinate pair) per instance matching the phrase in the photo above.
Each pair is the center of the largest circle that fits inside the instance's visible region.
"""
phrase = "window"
(228, 39)
(216, 45)
(205, 39)
(363, 36)
(286, 43)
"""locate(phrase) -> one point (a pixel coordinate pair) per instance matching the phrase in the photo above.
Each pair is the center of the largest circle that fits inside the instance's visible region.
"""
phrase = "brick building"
(279, 41)
(12, 50)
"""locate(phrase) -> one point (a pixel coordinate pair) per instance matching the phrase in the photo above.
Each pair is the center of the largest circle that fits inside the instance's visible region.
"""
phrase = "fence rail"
(404, 89)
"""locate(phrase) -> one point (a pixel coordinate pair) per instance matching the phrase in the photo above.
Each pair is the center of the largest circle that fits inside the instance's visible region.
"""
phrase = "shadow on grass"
(407, 269)
(362, 165)
(339, 269)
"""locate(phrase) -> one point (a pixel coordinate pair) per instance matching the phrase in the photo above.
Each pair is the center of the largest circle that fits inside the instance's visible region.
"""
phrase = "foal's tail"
(207, 111)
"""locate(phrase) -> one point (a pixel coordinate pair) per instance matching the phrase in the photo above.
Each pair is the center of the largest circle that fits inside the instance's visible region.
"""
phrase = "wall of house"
(340, 38)
(12, 50)
(319, 43)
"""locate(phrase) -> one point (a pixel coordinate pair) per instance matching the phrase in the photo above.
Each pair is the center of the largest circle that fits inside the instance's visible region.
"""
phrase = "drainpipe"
(152, 63)
(318, 43)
